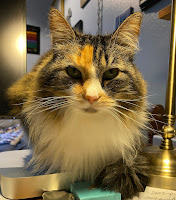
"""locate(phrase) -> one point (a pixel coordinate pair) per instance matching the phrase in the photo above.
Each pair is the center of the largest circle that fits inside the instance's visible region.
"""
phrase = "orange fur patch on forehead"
(84, 57)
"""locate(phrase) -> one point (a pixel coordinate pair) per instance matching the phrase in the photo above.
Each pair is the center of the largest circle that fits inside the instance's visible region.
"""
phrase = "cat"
(85, 105)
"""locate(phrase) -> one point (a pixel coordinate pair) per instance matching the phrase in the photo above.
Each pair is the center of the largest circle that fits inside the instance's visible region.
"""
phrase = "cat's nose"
(91, 99)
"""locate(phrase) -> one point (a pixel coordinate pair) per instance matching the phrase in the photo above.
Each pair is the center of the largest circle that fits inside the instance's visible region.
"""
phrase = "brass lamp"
(163, 159)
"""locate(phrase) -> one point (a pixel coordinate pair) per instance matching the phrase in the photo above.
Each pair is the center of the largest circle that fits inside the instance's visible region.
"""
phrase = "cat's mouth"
(90, 110)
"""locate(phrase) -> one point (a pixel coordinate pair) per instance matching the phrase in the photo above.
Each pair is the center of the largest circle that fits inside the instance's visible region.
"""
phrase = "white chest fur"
(82, 143)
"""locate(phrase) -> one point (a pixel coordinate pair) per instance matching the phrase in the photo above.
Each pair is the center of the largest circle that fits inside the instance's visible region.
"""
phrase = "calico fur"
(97, 141)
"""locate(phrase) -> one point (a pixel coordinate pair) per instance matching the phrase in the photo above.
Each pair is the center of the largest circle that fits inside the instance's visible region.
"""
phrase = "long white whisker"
(57, 108)
(147, 113)
(57, 105)
(114, 115)
(52, 107)
(135, 120)
(126, 100)
(44, 101)
(39, 99)
(126, 108)
(52, 103)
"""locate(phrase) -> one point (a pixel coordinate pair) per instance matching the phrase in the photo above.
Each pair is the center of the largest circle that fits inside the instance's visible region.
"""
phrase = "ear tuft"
(60, 29)
(128, 32)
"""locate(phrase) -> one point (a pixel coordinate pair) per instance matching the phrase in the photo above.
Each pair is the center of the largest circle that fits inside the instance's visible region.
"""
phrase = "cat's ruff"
(83, 143)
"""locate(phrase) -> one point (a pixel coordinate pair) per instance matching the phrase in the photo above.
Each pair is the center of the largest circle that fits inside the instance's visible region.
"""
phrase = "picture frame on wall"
(79, 26)
(123, 16)
(33, 39)
(145, 4)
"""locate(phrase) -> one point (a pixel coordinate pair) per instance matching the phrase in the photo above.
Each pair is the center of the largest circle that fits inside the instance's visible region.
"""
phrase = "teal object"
(81, 191)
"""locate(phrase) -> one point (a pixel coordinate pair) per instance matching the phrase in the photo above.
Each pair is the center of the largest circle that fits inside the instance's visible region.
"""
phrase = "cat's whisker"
(115, 116)
(148, 114)
(39, 99)
(38, 106)
(138, 99)
(127, 100)
(133, 111)
(57, 106)
(61, 107)
(47, 104)
(50, 101)
(125, 92)
(53, 104)
(142, 125)
(54, 97)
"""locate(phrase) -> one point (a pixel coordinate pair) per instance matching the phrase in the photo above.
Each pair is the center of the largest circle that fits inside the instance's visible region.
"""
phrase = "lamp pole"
(168, 131)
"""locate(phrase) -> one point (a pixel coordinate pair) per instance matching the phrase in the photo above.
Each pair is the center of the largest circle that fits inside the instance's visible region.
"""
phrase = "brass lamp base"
(162, 167)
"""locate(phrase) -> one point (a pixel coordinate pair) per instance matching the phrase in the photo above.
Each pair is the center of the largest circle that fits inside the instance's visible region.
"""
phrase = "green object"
(81, 191)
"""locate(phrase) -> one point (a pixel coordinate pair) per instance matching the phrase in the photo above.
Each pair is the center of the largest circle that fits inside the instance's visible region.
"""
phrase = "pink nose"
(91, 99)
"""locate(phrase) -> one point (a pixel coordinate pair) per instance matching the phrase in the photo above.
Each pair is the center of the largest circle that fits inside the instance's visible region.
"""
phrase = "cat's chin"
(90, 110)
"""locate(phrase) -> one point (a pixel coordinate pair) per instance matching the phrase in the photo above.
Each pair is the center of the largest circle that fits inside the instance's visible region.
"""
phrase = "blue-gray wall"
(37, 15)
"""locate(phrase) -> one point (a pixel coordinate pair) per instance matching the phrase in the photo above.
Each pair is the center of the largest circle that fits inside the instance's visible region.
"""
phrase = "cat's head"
(93, 73)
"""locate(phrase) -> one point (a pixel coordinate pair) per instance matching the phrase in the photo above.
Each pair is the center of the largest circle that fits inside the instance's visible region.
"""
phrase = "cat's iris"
(73, 72)
(110, 74)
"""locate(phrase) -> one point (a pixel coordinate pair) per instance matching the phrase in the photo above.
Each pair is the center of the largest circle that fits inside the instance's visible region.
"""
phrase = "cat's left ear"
(128, 32)
(61, 31)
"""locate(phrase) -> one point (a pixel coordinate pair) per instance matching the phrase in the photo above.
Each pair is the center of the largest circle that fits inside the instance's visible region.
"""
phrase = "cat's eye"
(110, 74)
(73, 72)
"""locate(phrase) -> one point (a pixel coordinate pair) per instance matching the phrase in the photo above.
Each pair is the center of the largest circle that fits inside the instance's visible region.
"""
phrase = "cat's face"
(93, 73)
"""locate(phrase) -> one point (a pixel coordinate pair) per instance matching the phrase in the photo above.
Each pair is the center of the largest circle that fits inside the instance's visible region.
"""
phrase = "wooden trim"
(62, 7)
(165, 13)
(83, 3)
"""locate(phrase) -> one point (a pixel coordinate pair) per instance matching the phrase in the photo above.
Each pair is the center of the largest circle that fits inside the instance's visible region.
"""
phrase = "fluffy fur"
(89, 125)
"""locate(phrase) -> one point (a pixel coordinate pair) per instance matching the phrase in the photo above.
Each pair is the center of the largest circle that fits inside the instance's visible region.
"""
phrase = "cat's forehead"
(95, 40)
(89, 58)
(92, 51)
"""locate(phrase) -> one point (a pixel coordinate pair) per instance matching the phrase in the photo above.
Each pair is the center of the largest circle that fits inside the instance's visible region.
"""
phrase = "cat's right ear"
(61, 31)
(128, 32)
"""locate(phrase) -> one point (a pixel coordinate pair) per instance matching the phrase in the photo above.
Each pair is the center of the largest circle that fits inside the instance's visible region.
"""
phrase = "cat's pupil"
(111, 71)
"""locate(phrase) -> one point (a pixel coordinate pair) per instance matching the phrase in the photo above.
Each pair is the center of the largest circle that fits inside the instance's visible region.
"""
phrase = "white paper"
(158, 194)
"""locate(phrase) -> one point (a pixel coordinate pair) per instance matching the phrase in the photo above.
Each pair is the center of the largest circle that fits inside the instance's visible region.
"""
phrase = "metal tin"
(16, 183)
